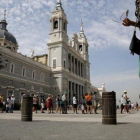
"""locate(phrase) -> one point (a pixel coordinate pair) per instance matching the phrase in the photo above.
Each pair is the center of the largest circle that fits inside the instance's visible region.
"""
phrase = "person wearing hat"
(12, 103)
(125, 101)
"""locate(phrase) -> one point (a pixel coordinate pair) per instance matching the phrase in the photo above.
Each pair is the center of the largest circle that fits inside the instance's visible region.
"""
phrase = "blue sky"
(110, 58)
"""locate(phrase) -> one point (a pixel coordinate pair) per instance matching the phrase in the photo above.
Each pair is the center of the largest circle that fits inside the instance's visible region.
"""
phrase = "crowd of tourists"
(85, 104)
(8, 104)
(62, 106)
(126, 104)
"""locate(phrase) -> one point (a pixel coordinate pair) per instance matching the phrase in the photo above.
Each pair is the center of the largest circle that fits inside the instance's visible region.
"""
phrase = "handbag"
(135, 42)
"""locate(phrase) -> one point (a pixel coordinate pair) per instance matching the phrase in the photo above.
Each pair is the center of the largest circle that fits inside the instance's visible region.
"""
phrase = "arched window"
(12, 68)
(23, 71)
(87, 49)
(55, 24)
(8, 47)
(80, 48)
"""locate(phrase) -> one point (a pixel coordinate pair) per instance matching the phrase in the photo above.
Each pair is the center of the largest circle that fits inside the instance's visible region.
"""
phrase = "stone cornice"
(24, 59)
(65, 71)
(19, 79)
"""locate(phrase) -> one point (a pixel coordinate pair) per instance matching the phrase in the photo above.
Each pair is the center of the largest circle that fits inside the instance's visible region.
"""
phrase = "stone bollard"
(26, 111)
(109, 108)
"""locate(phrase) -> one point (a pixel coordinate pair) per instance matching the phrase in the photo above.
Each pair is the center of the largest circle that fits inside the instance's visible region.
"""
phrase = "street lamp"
(3, 62)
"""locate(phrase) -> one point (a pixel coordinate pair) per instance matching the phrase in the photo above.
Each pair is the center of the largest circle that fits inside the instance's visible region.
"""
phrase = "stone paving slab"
(69, 127)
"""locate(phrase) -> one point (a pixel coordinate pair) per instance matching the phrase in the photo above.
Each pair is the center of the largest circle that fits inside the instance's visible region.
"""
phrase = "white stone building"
(66, 68)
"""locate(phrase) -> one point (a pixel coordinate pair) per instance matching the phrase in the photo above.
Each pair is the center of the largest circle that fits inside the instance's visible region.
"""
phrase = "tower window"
(87, 49)
(55, 24)
(80, 48)
(64, 26)
(64, 63)
(54, 63)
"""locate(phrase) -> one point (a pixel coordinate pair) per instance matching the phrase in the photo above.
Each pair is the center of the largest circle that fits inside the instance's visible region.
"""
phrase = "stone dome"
(4, 34)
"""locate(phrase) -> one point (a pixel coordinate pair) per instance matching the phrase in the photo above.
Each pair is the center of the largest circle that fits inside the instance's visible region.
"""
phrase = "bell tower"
(58, 25)
(83, 43)
(84, 46)
(58, 39)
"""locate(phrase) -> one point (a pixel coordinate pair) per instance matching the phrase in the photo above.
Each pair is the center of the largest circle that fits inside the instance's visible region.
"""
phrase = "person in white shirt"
(12, 103)
(75, 104)
(65, 103)
(125, 101)
(9, 104)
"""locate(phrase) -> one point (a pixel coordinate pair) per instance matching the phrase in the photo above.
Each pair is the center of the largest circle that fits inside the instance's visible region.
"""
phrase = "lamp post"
(3, 62)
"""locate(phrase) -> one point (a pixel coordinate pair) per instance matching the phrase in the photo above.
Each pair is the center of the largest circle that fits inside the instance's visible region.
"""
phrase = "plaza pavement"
(69, 127)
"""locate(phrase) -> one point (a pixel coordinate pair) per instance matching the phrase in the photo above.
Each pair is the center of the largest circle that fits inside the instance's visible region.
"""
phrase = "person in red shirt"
(89, 102)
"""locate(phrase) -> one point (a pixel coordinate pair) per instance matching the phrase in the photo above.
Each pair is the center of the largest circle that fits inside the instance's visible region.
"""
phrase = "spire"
(82, 30)
(59, 5)
(3, 22)
(81, 27)
(4, 15)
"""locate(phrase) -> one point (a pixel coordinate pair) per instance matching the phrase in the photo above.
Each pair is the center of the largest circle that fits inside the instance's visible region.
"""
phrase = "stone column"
(78, 97)
(71, 92)
(74, 64)
(70, 62)
(77, 68)
(80, 68)
(68, 95)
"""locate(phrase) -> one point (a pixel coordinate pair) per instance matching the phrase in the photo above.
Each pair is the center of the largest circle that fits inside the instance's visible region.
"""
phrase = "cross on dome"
(59, 5)
(4, 14)
(82, 26)
(59, 1)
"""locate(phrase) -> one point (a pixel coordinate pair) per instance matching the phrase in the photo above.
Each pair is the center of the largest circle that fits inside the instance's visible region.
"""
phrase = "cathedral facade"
(65, 69)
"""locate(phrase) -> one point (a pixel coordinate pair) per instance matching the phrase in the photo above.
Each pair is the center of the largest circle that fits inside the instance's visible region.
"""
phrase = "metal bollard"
(26, 111)
(109, 108)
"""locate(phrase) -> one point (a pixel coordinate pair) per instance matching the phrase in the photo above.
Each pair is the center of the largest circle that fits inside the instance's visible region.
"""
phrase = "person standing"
(83, 104)
(35, 104)
(12, 103)
(60, 104)
(137, 106)
(57, 103)
(122, 106)
(75, 104)
(95, 102)
(125, 101)
(1, 102)
(48, 104)
(51, 101)
(89, 102)
(42, 105)
(86, 102)
(9, 104)
(64, 101)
